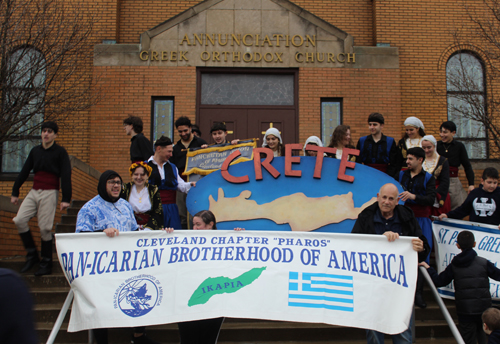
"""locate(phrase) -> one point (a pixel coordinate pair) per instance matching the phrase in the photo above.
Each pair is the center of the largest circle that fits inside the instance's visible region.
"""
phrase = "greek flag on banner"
(318, 290)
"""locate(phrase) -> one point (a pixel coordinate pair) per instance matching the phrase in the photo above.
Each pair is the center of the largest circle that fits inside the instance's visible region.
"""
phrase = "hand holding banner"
(148, 278)
(487, 246)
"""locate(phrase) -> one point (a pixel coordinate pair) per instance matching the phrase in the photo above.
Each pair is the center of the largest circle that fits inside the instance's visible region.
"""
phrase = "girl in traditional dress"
(272, 140)
(314, 141)
(341, 138)
(143, 197)
(437, 166)
(414, 133)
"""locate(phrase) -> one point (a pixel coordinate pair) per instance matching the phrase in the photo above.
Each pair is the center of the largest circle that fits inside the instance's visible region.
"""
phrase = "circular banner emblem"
(138, 296)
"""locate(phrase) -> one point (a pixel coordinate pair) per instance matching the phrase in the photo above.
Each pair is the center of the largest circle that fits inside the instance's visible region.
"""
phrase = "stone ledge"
(376, 57)
(84, 167)
(5, 205)
(481, 165)
(116, 48)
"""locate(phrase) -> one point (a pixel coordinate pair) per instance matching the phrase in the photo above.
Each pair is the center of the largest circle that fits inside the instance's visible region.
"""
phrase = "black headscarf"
(101, 187)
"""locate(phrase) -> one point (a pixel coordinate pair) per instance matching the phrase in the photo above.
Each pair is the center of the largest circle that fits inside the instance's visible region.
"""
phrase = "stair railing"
(60, 319)
(442, 306)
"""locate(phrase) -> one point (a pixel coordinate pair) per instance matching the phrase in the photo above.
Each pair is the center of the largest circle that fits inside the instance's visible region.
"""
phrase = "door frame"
(220, 70)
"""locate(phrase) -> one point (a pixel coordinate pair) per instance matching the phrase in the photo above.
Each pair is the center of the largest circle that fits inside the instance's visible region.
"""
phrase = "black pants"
(101, 334)
(204, 331)
(472, 332)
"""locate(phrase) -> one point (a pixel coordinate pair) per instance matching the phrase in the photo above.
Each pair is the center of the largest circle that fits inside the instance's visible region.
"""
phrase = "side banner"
(147, 278)
(487, 246)
(207, 160)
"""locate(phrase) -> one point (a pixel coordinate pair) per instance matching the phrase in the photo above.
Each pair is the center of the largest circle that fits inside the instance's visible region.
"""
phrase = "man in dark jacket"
(141, 148)
(388, 218)
(472, 287)
(188, 141)
(377, 150)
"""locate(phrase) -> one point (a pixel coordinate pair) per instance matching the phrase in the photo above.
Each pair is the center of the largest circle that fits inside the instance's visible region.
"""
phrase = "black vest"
(472, 287)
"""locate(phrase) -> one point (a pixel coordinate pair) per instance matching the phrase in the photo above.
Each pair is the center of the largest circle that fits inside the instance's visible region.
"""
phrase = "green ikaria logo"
(220, 285)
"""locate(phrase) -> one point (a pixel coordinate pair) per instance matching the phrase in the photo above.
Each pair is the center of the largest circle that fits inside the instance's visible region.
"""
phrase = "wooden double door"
(246, 122)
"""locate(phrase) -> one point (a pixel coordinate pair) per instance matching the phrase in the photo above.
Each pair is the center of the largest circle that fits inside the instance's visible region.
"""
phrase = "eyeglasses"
(114, 182)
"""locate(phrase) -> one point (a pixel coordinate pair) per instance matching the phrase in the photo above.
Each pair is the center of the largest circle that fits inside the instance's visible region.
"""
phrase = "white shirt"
(139, 201)
(182, 185)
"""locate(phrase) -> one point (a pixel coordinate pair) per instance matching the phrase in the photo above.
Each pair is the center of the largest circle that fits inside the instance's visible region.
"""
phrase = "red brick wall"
(128, 90)
(419, 29)
(10, 243)
(422, 32)
(360, 98)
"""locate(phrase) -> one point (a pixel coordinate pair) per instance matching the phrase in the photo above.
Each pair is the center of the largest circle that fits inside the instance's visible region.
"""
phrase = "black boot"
(32, 254)
(419, 296)
(46, 263)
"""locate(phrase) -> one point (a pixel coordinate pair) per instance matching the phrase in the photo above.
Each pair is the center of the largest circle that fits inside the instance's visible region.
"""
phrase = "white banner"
(149, 278)
(487, 246)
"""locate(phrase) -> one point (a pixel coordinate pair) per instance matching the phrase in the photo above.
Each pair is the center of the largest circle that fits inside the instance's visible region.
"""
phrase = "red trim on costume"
(142, 219)
(380, 167)
(168, 196)
(45, 181)
(453, 171)
(420, 210)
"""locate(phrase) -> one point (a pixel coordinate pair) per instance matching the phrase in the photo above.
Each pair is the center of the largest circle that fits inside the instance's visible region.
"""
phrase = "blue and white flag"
(317, 290)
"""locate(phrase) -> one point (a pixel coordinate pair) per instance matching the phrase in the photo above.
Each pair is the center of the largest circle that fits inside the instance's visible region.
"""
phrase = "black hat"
(101, 186)
(50, 125)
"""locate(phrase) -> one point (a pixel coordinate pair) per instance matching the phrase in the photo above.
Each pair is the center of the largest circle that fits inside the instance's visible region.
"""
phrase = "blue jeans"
(374, 337)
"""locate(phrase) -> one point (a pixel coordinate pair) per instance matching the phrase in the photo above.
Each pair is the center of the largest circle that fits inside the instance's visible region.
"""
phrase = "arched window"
(466, 94)
(23, 105)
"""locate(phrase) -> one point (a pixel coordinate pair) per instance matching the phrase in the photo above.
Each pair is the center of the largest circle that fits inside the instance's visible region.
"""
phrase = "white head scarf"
(312, 139)
(271, 131)
(414, 122)
(431, 139)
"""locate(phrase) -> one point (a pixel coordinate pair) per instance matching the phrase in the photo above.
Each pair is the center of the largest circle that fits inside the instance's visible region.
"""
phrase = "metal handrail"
(442, 306)
(60, 319)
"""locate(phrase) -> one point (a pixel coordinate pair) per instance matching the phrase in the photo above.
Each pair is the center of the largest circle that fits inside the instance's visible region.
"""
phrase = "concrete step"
(49, 296)
(68, 219)
(65, 228)
(77, 203)
(16, 264)
(72, 211)
(56, 280)
(48, 312)
(259, 331)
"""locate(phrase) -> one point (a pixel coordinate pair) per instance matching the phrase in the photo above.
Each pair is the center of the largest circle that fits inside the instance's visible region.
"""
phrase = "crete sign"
(216, 49)
(289, 193)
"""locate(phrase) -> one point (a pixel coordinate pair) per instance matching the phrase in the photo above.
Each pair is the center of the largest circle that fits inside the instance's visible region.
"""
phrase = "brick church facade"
(323, 63)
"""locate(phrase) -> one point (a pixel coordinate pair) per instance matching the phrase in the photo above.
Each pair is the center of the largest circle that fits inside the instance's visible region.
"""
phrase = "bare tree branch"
(471, 93)
(46, 52)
